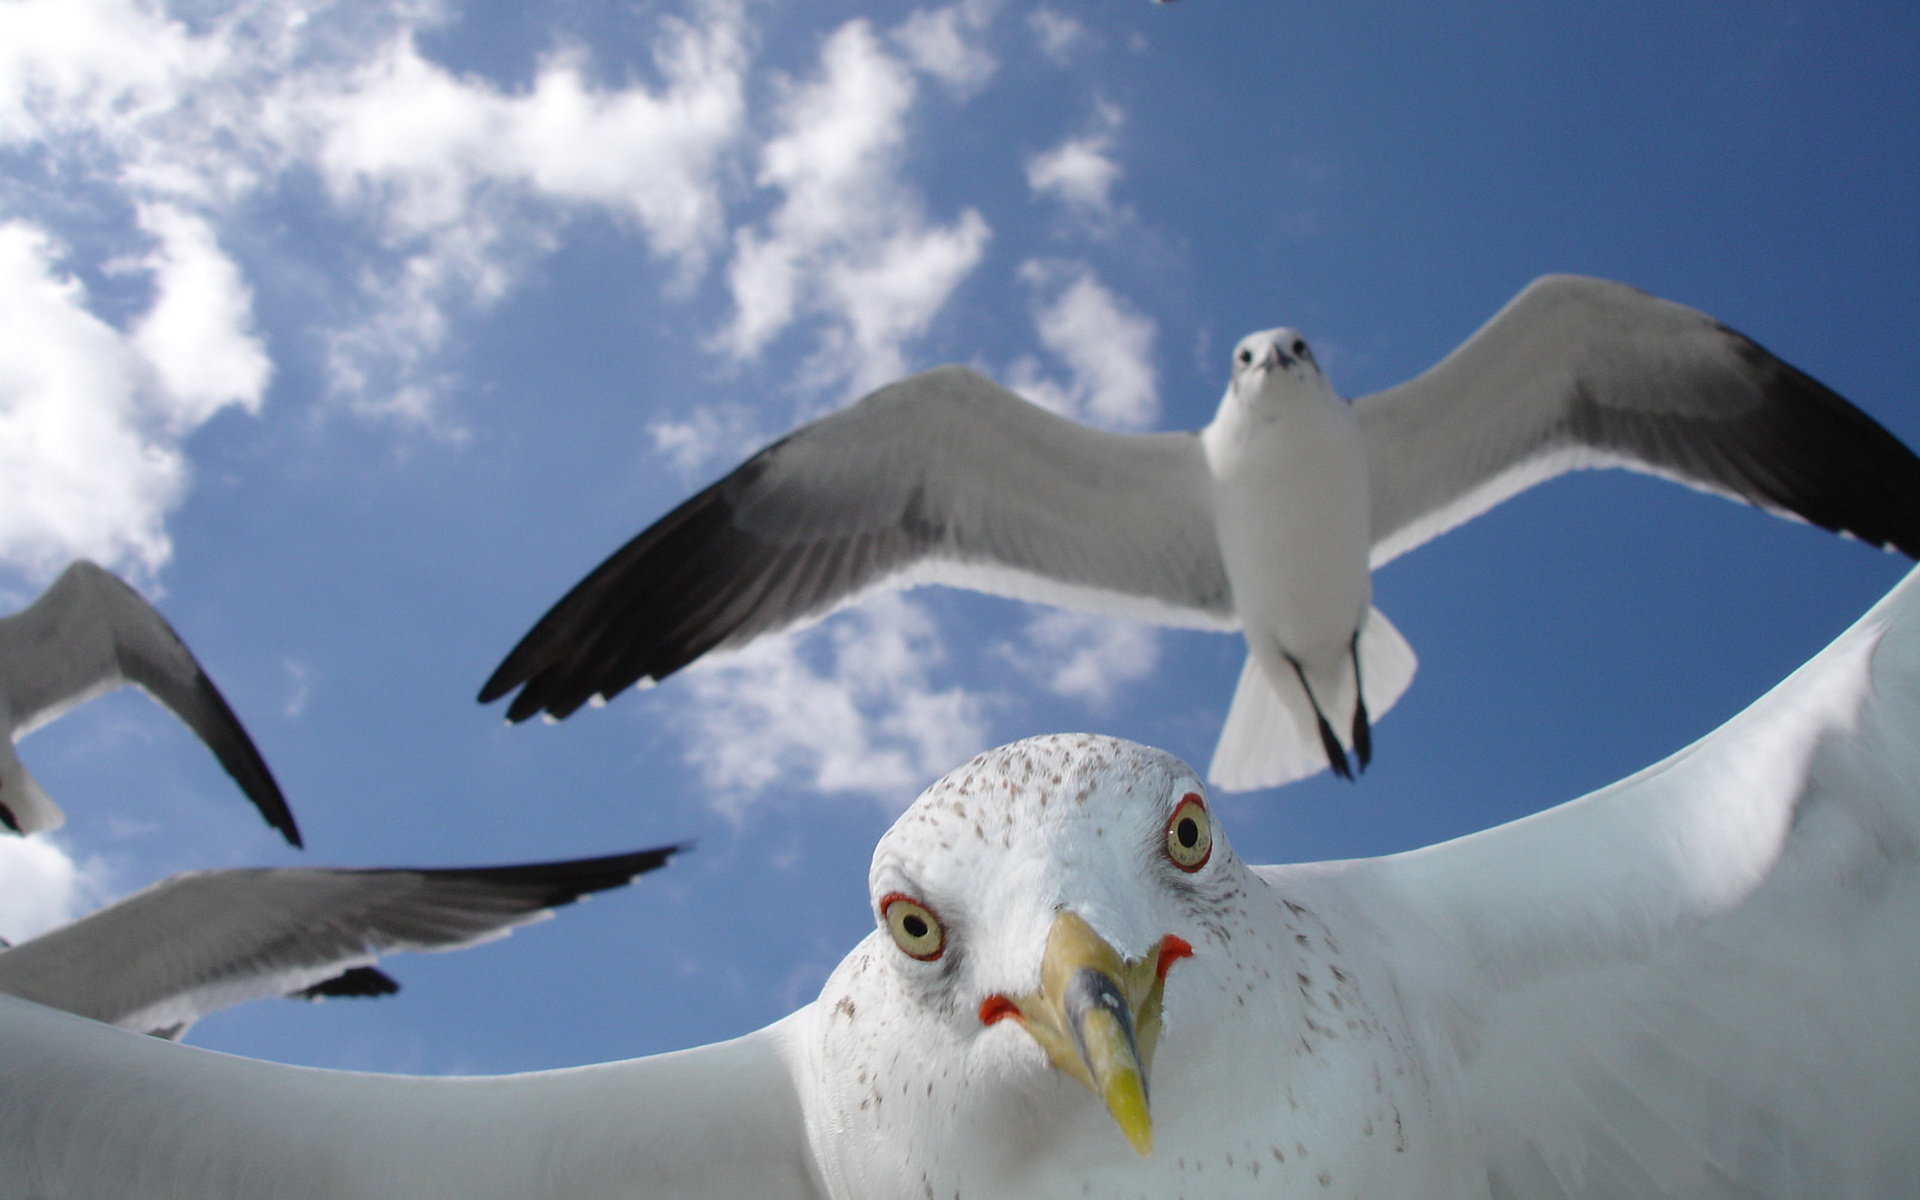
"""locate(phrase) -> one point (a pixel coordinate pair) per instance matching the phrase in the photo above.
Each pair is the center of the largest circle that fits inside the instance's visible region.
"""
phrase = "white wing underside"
(715, 1123)
(1701, 981)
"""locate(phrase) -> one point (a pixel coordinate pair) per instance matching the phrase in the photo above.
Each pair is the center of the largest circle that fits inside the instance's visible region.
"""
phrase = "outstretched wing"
(942, 477)
(198, 942)
(87, 1110)
(1578, 372)
(89, 633)
(1700, 981)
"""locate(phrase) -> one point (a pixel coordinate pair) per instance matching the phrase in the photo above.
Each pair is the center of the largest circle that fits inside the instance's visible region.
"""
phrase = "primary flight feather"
(1268, 520)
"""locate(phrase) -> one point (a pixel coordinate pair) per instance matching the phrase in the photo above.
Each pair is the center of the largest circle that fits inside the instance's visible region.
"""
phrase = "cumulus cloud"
(848, 242)
(1105, 345)
(943, 42)
(847, 706)
(45, 886)
(1060, 35)
(91, 418)
(1081, 171)
(1084, 656)
(468, 182)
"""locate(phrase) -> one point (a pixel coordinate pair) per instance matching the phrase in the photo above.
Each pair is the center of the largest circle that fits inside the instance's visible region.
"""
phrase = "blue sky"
(354, 334)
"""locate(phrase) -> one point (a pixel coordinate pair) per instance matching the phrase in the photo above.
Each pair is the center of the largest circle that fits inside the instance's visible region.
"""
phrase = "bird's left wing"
(198, 942)
(88, 1111)
(1578, 372)
(1703, 980)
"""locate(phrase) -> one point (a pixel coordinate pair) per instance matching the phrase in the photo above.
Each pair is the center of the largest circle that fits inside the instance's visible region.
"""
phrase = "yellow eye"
(914, 927)
(1190, 834)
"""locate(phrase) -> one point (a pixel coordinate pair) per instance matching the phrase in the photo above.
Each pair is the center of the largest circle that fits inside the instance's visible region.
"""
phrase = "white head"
(1039, 910)
(1273, 354)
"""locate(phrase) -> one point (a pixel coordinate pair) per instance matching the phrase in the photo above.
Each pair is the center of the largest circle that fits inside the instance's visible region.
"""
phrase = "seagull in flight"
(88, 634)
(1697, 982)
(1268, 521)
(194, 943)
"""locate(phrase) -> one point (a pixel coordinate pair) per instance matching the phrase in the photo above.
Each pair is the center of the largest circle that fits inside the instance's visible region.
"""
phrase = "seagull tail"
(1269, 740)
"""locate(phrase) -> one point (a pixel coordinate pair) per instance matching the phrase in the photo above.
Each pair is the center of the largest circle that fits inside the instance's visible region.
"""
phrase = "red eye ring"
(914, 928)
(1189, 834)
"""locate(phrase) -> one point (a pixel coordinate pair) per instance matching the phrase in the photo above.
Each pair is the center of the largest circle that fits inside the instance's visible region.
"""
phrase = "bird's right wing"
(89, 633)
(1704, 980)
(943, 477)
(198, 942)
(88, 1111)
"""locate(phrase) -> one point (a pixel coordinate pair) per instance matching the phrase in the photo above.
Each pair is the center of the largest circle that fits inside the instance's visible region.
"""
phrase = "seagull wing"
(942, 477)
(86, 1110)
(198, 942)
(90, 633)
(1700, 981)
(1578, 372)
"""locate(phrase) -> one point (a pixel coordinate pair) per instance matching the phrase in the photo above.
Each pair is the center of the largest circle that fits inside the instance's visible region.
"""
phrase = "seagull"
(90, 633)
(1269, 520)
(1696, 982)
(197, 942)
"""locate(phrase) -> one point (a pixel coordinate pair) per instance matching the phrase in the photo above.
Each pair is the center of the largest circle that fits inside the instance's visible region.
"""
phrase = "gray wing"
(1578, 372)
(194, 943)
(1700, 981)
(91, 1111)
(90, 633)
(942, 477)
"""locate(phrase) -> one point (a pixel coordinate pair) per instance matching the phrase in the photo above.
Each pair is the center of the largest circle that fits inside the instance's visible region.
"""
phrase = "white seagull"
(1698, 982)
(88, 634)
(194, 943)
(1268, 520)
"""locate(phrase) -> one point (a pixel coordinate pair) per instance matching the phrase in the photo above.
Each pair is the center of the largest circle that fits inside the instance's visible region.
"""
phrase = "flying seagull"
(87, 634)
(192, 944)
(1268, 520)
(1697, 982)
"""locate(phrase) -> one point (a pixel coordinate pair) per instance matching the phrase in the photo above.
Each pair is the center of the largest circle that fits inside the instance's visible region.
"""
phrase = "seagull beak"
(1097, 1015)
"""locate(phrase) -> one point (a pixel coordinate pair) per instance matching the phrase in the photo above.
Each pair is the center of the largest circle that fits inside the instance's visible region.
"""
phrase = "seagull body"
(88, 634)
(1697, 982)
(160, 959)
(1266, 521)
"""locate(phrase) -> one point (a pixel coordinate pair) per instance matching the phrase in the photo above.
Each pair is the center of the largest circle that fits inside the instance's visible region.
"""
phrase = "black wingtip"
(244, 762)
(1362, 735)
(7, 818)
(355, 982)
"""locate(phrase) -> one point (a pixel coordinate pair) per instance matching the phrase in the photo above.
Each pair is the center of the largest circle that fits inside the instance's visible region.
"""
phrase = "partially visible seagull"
(1698, 982)
(88, 634)
(1268, 520)
(192, 944)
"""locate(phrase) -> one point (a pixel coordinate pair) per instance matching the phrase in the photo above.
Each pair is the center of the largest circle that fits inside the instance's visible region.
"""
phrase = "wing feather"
(1580, 373)
(197, 942)
(942, 477)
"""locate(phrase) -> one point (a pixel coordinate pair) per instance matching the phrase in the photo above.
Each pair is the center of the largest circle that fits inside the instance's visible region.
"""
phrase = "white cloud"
(1106, 346)
(92, 65)
(198, 336)
(710, 435)
(45, 887)
(868, 721)
(1085, 656)
(1080, 172)
(938, 42)
(468, 183)
(90, 418)
(1059, 34)
(849, 242)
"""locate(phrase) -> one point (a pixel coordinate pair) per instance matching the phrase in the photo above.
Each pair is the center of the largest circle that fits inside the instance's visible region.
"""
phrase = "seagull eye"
(1300, 349)
(1190, 834)
(1244, 357)
(914, 927)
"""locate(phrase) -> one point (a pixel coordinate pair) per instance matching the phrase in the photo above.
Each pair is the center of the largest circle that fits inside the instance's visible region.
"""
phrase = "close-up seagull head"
(1272, 354)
